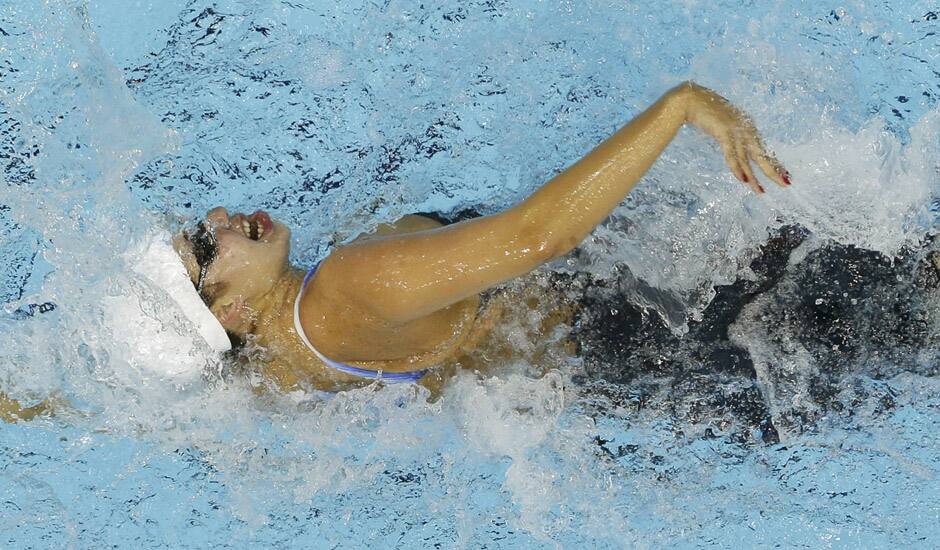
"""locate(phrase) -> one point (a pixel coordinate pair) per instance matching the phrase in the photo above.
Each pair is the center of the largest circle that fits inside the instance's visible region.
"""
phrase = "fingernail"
(744, 178)
(786, 179)
(761, 189)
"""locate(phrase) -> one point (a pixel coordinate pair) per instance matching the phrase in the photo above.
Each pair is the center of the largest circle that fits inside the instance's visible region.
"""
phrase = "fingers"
(768, 164)
(742, 147)
(731, 158)
(736, 160)
(741, 151)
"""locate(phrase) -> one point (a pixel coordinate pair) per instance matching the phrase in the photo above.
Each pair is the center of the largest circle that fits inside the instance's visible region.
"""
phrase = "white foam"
(141, 317)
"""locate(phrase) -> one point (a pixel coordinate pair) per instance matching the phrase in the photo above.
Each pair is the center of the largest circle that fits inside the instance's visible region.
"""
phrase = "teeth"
(248, 227)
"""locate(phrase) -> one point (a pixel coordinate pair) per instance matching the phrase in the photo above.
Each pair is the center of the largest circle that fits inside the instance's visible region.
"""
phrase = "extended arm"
(402, 278)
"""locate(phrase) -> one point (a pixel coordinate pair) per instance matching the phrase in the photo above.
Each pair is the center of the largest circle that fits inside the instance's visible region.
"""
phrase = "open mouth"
(257, 225)
(252, 229)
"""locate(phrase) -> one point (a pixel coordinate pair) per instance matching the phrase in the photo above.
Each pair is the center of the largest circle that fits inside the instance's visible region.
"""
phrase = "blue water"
(115, 116)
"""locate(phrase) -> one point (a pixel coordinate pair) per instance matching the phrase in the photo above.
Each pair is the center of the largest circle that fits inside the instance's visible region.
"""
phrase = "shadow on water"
(851, 312)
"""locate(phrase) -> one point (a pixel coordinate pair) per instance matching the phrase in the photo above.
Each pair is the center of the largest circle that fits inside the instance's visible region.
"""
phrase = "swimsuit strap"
(387, 377)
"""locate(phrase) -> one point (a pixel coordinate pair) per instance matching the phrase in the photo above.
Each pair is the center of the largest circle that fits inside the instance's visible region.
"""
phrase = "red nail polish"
(786, 179)
(744, 178)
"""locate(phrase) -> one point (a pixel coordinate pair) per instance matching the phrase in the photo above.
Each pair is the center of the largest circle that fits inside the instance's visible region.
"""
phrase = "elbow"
(546, 243)
(561, 246)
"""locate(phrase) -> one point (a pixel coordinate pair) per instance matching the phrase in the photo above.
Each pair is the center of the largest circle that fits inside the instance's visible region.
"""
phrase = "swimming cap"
(159, 316)
(160, 264)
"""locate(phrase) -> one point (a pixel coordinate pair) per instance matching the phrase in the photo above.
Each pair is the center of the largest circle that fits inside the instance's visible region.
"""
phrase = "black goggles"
(205, 249)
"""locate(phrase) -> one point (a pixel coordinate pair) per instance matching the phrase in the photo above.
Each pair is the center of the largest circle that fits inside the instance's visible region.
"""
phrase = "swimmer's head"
(235, 261)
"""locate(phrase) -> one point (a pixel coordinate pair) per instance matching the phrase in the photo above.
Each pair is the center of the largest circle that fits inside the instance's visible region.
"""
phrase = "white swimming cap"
(142, 320)
(162, 266)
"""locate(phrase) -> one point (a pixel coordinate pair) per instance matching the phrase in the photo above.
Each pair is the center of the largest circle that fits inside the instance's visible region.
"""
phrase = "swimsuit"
(387, 377)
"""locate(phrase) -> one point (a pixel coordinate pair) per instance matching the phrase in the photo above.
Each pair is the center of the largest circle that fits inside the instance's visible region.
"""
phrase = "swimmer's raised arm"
(403, 278)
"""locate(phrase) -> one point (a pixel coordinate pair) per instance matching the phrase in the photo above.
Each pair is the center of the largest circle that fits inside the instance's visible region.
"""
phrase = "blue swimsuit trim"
(387, 377)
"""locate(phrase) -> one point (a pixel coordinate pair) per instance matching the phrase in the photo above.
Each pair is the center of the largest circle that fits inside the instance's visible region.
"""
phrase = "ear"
(228, 312)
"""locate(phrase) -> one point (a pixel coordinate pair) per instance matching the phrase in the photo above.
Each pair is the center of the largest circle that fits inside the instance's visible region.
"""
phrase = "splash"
(394, 108)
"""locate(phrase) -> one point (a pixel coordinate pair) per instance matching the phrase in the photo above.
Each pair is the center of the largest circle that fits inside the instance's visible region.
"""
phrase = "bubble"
(336, 128)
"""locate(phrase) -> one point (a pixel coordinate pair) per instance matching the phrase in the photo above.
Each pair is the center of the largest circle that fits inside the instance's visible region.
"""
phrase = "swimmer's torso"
(352, 335)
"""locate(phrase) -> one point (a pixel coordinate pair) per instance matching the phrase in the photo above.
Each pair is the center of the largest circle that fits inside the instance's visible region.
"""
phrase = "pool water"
(752, 371)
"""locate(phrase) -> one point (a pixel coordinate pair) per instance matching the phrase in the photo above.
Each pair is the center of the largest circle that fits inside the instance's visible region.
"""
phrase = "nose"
(217, 216)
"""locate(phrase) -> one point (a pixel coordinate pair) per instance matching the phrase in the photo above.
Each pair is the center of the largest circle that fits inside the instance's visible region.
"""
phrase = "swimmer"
(406, 298)
(404, 303)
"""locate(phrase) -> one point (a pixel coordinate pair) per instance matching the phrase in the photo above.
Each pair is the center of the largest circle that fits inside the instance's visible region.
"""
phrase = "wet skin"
(406, 297)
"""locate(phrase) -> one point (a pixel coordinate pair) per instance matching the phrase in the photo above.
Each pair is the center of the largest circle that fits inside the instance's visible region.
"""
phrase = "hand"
(736, 134)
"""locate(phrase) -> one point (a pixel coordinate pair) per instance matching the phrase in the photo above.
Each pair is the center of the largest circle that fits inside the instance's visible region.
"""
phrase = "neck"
(272, 310)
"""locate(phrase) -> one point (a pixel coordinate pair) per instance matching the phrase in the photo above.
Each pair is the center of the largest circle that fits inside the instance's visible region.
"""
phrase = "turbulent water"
(750, 370)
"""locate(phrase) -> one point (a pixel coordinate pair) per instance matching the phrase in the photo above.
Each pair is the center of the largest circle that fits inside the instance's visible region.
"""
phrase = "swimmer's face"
(250, 257)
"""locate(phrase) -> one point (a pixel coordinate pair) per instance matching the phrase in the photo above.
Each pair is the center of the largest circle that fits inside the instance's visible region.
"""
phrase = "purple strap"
(387, 377)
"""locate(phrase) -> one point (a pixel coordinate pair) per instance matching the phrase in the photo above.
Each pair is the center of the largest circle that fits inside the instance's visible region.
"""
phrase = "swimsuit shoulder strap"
(387, 377)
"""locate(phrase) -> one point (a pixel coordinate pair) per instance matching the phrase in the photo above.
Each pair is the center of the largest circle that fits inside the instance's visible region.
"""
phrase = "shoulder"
(408, 224)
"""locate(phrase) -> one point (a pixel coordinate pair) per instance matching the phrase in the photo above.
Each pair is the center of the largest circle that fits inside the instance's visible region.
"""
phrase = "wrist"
(681, 98)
